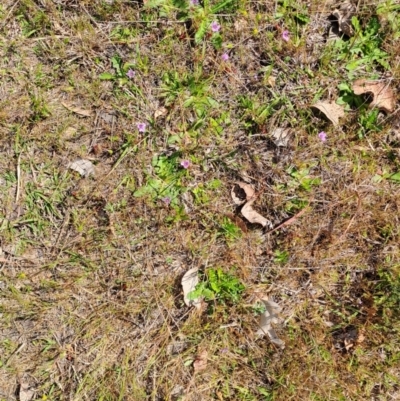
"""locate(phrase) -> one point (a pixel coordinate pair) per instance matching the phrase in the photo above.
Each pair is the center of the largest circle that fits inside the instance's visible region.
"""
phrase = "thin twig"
(18, 178)
(289, 221)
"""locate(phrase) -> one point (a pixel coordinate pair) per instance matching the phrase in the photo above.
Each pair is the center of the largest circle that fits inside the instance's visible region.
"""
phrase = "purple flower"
(166, 200)
(194, 2)
(141, 127)
(215, 27)
(322, 136)
(225, 57)
(130, 74)
(285, 36)
(185, 163)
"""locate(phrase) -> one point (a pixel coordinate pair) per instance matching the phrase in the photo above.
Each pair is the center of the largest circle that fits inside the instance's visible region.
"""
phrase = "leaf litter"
(332, 111)
(189, 281)
(76, 109)
(201, 361)
(243, 193)
(84, 167)
(384, 97)
(26, 393)
(281, 136)
(344, 14)
(272, 309)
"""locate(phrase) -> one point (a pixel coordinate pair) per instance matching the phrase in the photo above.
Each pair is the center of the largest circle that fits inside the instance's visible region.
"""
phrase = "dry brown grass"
(91, 305)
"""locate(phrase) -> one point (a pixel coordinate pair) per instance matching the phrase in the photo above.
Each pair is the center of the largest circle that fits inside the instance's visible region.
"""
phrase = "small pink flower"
(225, 57)
(141, 127)
(322, 136)
(215, 27)
(285, 36)
(130, 74)
(166, 200)
(194, 2)
(185, 163)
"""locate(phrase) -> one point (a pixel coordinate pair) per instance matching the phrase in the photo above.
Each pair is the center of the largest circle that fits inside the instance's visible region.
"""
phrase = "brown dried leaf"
(271, 81)
(201, 361)
(344, 14)
(77, 110)
(252, 216)
(83, 167)
(242, 192)
(384, 97)
(189, 282)
(331, 111)
(270, 315)
(281, 136)
(162, 111)
(25, 392)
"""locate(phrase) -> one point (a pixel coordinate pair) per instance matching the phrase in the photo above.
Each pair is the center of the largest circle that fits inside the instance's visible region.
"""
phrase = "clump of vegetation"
(258, 141)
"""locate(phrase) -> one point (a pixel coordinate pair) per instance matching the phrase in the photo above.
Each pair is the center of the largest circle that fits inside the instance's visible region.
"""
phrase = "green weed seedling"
(167, 183)
(123, 72)
(302, 178)
(230, 230)
(218, 285)
(281, 257)
(364, 49)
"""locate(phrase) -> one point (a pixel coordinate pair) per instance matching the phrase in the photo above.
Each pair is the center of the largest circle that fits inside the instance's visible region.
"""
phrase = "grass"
(91, 303)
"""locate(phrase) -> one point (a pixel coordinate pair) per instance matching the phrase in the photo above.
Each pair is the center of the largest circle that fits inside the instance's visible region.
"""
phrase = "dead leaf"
(252, 216)
(242, 192)
(77, 110)
(271, 81)
(189, 282)
(270, 315)
(25, 392)
(83, 167)
(384, 97)
(331, 111)
(344, 14)
(281, 136)
(201, 361)
(348, 344)
(109, 118)
(162, 111)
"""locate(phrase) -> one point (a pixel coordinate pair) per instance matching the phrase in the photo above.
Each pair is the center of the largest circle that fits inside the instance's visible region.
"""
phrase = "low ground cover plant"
(199, 200)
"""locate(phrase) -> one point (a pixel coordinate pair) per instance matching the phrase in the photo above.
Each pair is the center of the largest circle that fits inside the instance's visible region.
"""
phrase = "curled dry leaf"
(242, 192)
(281, 136)
(201, 361)
(189, 281)
(161, 112)
(270, 315)
(26, 393)
(77, 110)
(252, 216)
(344, 14)
(384, 97)
(83, 167)
(330, 110)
